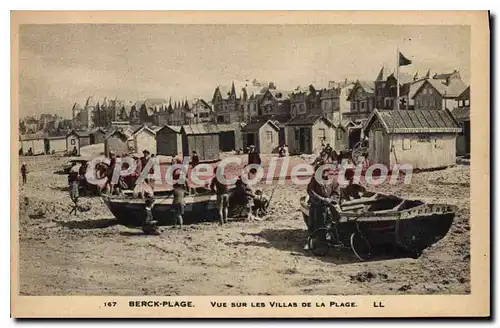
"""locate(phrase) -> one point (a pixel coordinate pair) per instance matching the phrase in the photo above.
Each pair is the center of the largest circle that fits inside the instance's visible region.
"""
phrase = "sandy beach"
(89, 254)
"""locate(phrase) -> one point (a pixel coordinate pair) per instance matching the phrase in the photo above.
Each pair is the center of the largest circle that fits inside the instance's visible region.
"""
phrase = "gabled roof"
(414, 121)
(143, 128)
(80, 134)
(461, 113)
(308, 119)
(367, 86)
(199, 129)
(138, 104)
(255, 126)
(175, 128)
(452, 90)
(98, 129)
(229, 127)
(347, 123)
(382, 75)
(465, 94)
(118, 131)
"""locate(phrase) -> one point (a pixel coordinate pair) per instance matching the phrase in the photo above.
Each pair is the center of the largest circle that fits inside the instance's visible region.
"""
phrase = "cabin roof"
(80, 134)
(136, 131)
(461, 113)
(119, 131)
(255, 126)
(415, 121)
(308, 119)
(200, 129)
(56, 138)
(228, 127)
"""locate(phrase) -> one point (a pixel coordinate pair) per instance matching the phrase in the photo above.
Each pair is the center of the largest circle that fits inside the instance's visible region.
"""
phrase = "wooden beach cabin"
(424, 139)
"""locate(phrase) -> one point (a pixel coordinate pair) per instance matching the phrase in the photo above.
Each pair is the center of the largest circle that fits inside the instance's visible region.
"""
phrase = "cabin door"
(379, 149)
(467, 136)
(305, 140)
(354, 137)
(47, 146)
(250, 139)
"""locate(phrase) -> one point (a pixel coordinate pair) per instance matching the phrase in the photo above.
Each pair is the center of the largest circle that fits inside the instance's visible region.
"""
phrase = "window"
(302, 109)
(297, 134)
(322, 133)
(362, 105)
(406, 143)
(269, 136)
(72, 142)
(430, 91)
(466, 102)
(338, 133)
(353, 106)
(433, 102)
(462, 126)
(424, 91)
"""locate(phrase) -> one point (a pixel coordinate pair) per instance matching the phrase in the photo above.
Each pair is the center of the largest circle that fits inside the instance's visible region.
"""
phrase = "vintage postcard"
(250, 164)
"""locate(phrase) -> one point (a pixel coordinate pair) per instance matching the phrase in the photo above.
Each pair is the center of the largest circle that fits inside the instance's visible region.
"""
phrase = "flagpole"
(397, 78)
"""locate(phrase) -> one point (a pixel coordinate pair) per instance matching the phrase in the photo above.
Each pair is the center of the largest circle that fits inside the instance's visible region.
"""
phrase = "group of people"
(253, 202)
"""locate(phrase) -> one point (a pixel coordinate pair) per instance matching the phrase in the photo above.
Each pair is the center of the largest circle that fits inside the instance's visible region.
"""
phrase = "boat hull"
(413, 229)
(131, 211)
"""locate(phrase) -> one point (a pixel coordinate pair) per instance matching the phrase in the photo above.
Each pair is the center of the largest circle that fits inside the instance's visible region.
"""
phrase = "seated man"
(243, 196)
(261, 203)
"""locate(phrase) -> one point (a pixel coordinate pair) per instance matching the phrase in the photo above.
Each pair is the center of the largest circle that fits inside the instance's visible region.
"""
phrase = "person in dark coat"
(253, 156)
(195, 159)
(321, 195)
(149, 225)
(24, 172)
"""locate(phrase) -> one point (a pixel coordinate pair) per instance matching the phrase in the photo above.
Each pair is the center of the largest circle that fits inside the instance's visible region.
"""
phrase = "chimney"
(272, 86)
(345, 82)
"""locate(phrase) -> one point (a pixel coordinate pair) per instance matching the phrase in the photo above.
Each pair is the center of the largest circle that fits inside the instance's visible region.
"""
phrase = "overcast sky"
(64, 64)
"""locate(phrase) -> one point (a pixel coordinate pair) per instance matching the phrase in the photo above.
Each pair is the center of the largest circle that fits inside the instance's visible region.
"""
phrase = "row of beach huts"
(301, 135)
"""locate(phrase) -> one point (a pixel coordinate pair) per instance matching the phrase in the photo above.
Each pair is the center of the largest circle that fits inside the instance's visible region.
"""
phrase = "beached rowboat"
(379, 219)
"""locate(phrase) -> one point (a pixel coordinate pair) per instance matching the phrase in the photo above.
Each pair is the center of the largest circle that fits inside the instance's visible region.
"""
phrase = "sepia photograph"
(190, 158)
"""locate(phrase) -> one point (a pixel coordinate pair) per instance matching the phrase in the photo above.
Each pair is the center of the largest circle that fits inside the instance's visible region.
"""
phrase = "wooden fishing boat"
(378, 219)
(130, 210)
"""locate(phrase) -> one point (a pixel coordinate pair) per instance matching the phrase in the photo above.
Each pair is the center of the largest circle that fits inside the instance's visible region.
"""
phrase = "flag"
(403, 61)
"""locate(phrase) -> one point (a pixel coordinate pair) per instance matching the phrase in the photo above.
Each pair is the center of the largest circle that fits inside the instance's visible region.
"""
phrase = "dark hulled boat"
(389, 220)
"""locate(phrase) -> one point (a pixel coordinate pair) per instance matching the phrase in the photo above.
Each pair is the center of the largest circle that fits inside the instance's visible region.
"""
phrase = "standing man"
(178, 204)
(144, 161)
(222, 197)
(24, 172)
(195, 160)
